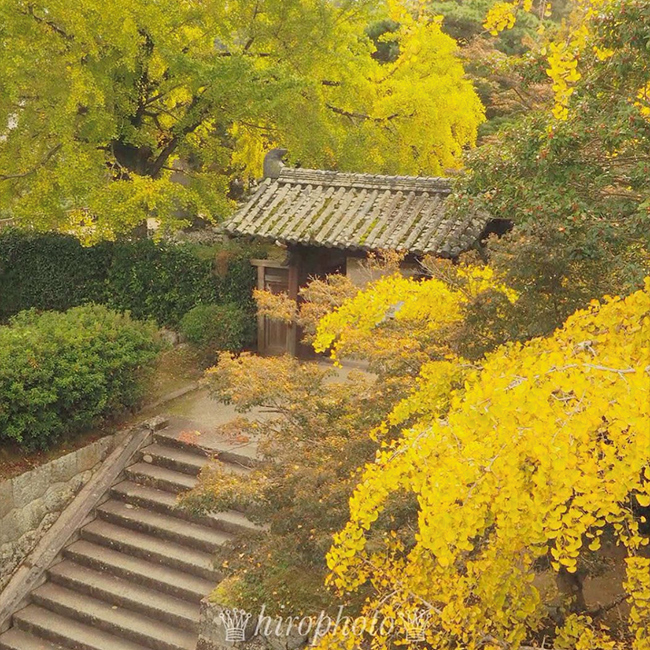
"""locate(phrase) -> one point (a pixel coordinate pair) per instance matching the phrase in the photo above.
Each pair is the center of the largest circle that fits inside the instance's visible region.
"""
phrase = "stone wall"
(31, 502)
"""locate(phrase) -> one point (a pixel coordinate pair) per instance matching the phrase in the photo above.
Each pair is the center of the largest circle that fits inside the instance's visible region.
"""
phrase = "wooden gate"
(274, 337)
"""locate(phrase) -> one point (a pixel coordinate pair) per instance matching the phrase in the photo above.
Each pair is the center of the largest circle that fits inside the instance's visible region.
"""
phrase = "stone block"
(78, 482)
(157, 423)
(11, 527)
(64, 468)
(32, 514)
(31, 485)
(105, 446)
(6, 497)
(57, 497)
(88, 457)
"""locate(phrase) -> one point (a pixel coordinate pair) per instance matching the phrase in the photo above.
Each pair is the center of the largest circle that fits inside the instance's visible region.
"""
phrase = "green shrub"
(49, 271)
(63, 372)
(158, 280)
(162, 281)
(212, 328)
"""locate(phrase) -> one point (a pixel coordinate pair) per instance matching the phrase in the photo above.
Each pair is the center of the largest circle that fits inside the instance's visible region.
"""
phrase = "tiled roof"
(356, 211)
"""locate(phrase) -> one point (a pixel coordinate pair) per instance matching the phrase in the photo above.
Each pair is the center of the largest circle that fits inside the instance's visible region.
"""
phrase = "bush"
(212, 328)
(162, 281)
(63, 372)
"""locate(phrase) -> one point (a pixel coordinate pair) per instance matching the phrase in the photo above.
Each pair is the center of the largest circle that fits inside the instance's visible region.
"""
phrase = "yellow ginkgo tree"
(165, 109)
(532, 483)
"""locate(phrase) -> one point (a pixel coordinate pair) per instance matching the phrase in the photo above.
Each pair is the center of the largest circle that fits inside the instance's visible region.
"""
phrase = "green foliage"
(129, 100)
(212, 328)
(161, 281)
(236, 275)
(463, 20)
(386, 47)
(49, 271)
(575, 189)
(63, 372)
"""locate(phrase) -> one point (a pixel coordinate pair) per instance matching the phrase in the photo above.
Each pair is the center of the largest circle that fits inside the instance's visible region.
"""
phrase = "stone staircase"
(134, 578)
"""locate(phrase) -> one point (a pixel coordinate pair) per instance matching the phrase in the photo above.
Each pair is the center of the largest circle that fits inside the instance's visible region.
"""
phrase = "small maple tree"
(313, 429)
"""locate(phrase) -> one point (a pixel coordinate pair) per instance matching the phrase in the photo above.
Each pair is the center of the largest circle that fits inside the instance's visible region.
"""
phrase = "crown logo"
(415, 624)
(235, 621)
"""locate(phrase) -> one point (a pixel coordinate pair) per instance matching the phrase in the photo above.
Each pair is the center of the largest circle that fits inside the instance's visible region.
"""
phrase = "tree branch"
(360, 116)
(243, 53)
(43, 21)
(163, 156)
(48, 157)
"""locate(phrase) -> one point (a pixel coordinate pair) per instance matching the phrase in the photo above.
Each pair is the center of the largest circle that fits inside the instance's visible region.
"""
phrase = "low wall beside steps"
(31, 502)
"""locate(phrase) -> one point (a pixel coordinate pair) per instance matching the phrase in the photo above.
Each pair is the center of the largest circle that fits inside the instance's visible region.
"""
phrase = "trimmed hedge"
(162, 281)
(63, 372)
(49, 271)
(159, 281)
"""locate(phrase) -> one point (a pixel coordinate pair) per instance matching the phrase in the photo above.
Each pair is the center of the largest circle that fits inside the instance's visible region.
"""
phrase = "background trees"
(571, 175)
(102, 110)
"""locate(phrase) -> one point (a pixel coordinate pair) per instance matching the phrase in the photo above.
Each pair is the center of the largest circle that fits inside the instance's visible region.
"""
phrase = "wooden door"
(275, 333)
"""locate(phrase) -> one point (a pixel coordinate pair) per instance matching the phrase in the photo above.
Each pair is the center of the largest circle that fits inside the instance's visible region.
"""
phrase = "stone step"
(180, 460)
(242, 454)
(162, 526)
(171, 438)
(68, 633)
(156, 576)
(161, 477)
(15, 639)
(112, 619)
(120, 592)
(169, 554)
(230, 521)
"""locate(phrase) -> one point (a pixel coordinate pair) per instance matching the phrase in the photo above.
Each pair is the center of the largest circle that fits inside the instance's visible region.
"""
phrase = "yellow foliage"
(533, 457)
(502, 16)
(399, 317)
(199, 91)
(279, 307)
(563, 54)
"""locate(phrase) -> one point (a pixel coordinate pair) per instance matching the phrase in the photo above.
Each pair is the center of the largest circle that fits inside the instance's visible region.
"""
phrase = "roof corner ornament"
(273, 163)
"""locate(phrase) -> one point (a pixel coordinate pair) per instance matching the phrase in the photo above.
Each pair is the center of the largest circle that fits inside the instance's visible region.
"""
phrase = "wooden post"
(292, 330)
(261, 321)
